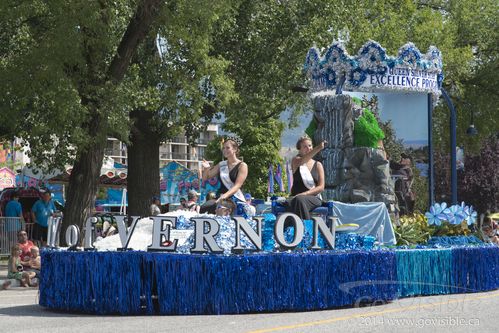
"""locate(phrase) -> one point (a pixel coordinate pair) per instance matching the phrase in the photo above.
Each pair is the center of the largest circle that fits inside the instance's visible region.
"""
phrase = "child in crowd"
(489, 229)
(15, 270)
(210, 205)
(192, 202)
(35, 263)
(225, 207)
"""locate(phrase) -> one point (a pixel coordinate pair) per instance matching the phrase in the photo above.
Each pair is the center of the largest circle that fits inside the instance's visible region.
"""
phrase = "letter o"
(72, 235)
(279, 230)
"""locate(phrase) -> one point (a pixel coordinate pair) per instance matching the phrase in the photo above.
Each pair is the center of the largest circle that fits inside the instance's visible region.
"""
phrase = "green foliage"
(447, 229)
(54, 57)
(421, 190)
(412, 229)
(393, 146)
(185, 86)
(465, 31)
(266, 42)
(53, 63)
(263, 42)
(310, 130)
(471, 59)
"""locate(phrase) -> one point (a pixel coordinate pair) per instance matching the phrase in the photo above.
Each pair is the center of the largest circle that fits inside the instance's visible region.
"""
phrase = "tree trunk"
(143, 164)
(83, 183)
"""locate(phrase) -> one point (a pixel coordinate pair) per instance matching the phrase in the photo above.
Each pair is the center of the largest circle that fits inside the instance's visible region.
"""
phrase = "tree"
(477, 183)
(471, 60)
(176, 90)
(63, 65)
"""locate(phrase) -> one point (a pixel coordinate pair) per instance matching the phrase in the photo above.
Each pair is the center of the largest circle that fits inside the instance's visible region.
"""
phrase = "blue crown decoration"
(324, 73)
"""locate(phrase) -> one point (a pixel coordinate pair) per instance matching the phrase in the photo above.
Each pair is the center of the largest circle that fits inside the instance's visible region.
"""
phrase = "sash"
(225, 178)
(307, 178)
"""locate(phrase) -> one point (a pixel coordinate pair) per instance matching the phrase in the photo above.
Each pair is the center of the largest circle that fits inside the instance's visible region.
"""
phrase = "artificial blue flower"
(432, 217)
(437, 214)
(471, 216)
(456, 214)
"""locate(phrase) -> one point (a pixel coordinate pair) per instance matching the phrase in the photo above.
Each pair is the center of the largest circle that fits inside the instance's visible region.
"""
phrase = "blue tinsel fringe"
(424, 271)
(444, 241)
(125, 282)
(161, 283)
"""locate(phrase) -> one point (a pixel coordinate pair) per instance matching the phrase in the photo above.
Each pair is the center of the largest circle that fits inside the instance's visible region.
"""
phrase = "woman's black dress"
(302, 205)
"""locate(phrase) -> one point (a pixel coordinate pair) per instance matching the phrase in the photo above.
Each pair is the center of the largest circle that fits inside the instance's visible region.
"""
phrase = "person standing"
(405, 195)
(251, 208)
(183, 204)
(14, 210)
(40, 213)
(154, 208)
(192, 201)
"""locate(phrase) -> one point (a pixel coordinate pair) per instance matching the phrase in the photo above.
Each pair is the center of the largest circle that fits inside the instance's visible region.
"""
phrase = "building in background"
(177, 150)
(12, 155)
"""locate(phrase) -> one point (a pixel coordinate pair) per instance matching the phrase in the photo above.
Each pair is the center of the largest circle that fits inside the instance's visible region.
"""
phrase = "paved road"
(20, 312)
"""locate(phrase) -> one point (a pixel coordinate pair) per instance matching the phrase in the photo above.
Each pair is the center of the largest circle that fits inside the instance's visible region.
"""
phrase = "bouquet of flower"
(451, 221)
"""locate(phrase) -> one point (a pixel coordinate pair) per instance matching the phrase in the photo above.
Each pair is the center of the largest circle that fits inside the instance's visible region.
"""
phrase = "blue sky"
(408, 112)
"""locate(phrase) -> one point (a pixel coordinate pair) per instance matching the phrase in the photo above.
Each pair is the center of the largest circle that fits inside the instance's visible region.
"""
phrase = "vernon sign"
(205, 229)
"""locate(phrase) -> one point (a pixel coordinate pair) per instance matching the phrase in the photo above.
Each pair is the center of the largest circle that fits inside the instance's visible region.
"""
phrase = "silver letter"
(279, 230)
(125, 235)
(53, 231)
(72, 235)
(329, 234)
(161, 233)
(89, 233)
(254, 237)
(200, 237)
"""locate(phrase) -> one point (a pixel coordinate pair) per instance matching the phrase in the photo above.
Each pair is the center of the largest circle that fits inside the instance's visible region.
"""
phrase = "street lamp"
(471, 131)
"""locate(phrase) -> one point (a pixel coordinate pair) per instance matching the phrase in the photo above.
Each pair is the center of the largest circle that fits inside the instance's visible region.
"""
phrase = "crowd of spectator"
(24, 262)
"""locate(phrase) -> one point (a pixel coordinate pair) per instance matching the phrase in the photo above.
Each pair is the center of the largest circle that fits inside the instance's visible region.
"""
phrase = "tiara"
(235, 138)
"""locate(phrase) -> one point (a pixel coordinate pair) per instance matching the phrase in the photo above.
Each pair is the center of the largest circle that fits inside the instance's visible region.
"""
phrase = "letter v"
(125, 235)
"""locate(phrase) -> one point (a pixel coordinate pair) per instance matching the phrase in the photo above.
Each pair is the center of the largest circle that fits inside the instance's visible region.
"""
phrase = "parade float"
(185, 264)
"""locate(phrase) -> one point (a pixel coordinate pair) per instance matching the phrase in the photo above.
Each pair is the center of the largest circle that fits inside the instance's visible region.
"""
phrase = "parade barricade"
(9, 227)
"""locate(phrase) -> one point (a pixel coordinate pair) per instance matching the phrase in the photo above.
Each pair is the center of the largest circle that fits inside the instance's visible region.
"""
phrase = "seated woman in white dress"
(232, 173)
(308, 179)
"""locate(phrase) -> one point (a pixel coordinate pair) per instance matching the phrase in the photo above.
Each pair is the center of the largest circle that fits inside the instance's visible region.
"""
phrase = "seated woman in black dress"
(232, 173)
(308, 179)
